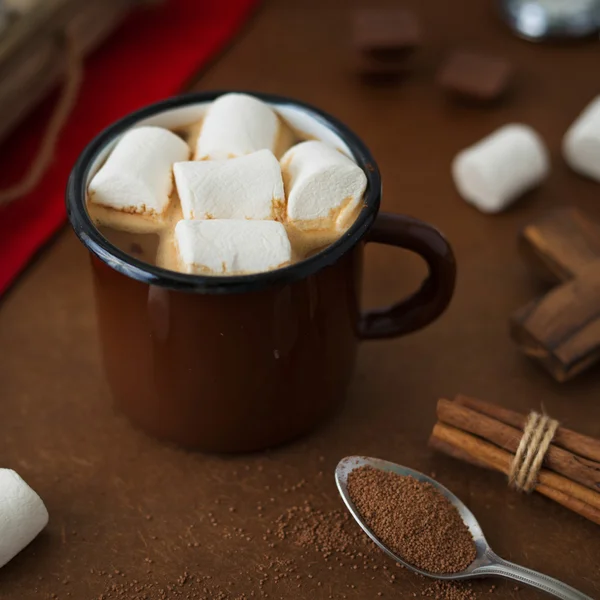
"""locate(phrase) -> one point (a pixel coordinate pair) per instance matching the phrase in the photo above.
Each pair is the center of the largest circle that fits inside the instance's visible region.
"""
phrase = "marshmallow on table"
(324, 186)
(232, 245)
(22, 515)
(581, 144)
(237, 124)
(494, 172)
(248, 187)
(137, 176)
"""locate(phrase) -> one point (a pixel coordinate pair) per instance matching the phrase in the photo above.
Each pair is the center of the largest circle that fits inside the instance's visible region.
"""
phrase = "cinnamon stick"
(457, 414)
(571, 495)
(446, 448)
(582, 445)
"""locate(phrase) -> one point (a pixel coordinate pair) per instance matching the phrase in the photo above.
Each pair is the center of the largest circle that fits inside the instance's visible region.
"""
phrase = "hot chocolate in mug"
(245, 362)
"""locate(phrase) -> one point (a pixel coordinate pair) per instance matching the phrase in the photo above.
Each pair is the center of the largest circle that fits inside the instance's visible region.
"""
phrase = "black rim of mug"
(122, 262)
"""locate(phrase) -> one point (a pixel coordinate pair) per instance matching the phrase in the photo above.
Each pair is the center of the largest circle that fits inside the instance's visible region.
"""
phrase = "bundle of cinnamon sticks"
(488, 435)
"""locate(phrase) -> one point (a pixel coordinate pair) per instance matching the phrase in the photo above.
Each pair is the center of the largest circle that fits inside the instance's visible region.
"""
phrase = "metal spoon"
(539, 20)
(487, 563)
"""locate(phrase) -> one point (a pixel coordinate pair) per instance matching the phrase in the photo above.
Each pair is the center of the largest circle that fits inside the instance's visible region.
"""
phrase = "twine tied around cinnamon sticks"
(537, 436)
(559, 463)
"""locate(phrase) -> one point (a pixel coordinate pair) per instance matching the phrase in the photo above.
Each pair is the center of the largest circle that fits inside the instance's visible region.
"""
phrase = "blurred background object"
(539, 20)
(33, 55)
(21, 6)
(151, 53)
(3, 17)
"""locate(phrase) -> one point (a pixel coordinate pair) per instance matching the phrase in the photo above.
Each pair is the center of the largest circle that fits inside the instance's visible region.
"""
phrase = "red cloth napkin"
(149, 58)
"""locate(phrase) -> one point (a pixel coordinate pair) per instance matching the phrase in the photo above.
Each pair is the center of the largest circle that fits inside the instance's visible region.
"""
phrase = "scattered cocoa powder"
(326, 532)
(308, 547)
(447, 590)
(413, 519)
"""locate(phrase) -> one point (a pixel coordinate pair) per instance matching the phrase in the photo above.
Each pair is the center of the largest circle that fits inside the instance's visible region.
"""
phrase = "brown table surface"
(118, 500)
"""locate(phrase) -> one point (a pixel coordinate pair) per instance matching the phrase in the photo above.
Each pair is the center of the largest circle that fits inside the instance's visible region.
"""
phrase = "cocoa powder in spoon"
(413, 519)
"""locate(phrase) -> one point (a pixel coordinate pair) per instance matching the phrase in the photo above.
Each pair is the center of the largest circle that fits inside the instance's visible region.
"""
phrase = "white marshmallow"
(22, 515)
(249, 187)
(581, 144)
(237, 124)
(232, 246)
(136, 177)
(324, 186)
(494, 172)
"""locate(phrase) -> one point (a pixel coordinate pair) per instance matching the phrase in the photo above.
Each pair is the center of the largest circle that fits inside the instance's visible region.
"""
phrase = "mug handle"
(432, 298)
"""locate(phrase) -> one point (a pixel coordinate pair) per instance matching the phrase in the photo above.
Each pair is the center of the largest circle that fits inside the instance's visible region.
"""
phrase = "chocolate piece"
(386, 34)
(379, 71)
(475, 76)
(561, 330)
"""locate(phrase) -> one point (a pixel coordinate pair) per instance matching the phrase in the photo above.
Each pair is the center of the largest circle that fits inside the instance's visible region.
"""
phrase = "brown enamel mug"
(241, 363)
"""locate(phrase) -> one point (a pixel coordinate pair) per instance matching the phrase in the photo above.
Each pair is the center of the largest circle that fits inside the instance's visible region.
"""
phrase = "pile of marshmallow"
(232, 192)
(496, 171)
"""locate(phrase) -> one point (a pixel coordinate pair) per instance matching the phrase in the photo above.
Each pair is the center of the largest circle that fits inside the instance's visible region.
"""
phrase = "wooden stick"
(583, 445)
(568, 493)
(582, 470)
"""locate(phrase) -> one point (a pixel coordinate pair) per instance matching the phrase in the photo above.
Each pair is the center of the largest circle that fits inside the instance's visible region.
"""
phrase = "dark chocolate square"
(386, 34)
(377, 71)
(475, 76)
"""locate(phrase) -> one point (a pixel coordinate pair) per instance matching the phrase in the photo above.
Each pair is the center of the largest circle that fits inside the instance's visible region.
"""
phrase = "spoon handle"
(502, 568)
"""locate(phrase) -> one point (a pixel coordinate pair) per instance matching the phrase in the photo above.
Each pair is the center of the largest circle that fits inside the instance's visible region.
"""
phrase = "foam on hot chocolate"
(249, 186)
